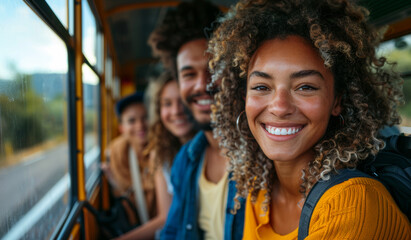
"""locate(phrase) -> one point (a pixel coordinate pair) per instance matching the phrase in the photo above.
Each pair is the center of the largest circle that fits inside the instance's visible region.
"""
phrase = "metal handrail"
(71, 220)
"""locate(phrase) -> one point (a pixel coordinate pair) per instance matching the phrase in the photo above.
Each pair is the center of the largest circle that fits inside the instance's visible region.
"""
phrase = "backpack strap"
(316, 193)
(137, 186)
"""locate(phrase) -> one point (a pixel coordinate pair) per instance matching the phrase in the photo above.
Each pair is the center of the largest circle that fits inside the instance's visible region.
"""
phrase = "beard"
(205, 126)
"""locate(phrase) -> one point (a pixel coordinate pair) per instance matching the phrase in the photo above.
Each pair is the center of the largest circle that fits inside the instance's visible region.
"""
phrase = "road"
(24, 184)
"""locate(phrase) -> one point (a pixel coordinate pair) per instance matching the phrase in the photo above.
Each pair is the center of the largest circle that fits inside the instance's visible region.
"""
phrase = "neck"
(215, 160)
(184, 139)
(138, 147)
(288, 176)
(213, 142)
(214, 148)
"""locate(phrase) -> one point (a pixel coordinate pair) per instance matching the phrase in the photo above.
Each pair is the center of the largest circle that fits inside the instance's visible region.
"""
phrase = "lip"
(203, 103)
(180, 122)
(283, 131)
(140, 133)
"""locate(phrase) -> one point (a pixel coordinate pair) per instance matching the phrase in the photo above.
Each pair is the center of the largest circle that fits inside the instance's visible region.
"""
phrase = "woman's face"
(134, 123)
(290, 98)
(172, 111)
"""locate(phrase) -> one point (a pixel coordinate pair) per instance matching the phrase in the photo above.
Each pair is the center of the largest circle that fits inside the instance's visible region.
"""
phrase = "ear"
(336, 110)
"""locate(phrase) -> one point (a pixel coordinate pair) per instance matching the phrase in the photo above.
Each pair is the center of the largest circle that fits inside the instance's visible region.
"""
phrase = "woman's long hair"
(338, 30)
(161, 142)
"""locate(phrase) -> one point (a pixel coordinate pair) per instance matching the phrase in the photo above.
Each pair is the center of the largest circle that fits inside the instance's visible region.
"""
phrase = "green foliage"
(402, 59)
(405, 110)
(26, 119)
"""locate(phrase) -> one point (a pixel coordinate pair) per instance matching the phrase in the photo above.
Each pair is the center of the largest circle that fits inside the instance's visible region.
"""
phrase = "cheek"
(253, 107)
(163, 115)
(127, 128)
(184, 89)
(145, 125)
(317, 110)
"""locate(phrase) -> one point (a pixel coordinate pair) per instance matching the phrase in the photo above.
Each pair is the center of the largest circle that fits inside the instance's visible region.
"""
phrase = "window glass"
(59, 8)
(100, 52)
(406, 109)
(109, 72)
(34, 181)
(116, 88)
(91, 125)
(89, 33)
(71, 17)
(399, 50)
(109, 108)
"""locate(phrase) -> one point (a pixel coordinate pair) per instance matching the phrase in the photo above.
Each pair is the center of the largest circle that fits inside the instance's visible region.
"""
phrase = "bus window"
(89, 34)
(59, 8)
(34, 181)
(108, 101)
(92, 46)
(91, 125)
(399, 50)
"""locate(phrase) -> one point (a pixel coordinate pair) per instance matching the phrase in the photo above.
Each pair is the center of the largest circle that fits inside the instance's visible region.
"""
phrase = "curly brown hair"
(189, 21)
(161, 142)
(338, 29)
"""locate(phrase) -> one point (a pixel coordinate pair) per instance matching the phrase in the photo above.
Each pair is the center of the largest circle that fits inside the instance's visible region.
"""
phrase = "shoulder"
(356, 189)
(187, 160)
(119, 143)
(182, 155)
(191, 150)
(152, 161)
(180, 164)
(359, 207)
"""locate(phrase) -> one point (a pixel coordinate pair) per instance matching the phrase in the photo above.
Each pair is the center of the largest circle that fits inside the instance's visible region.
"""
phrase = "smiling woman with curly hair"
(302, 96)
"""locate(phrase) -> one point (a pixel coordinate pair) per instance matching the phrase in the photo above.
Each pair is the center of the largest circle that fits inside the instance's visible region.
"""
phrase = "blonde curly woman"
(303, 95)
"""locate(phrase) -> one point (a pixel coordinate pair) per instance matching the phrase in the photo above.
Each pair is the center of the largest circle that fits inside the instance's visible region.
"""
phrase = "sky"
(30, 46)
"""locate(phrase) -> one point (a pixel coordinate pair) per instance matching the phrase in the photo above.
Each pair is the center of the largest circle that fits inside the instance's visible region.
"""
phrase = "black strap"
(317, 191)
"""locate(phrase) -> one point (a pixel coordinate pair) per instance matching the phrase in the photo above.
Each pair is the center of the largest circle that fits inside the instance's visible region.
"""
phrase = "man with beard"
(203, 200)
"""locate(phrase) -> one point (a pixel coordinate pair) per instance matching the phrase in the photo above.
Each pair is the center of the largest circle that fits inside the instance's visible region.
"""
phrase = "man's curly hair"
(189, 21)
(338, 29)
(161, 142)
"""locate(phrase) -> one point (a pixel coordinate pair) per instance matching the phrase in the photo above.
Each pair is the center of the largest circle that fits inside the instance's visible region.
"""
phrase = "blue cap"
(137, 97)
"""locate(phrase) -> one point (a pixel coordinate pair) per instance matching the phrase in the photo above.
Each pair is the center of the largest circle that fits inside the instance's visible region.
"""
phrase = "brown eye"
(260, 88)
(188, 75)
(307, 88)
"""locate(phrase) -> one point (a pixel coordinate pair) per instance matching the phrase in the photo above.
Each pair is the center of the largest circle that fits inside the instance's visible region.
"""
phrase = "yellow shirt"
(360, 208)
(213, 199)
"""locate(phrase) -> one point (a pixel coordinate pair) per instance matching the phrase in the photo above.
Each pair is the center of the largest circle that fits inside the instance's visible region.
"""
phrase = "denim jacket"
(182, 220)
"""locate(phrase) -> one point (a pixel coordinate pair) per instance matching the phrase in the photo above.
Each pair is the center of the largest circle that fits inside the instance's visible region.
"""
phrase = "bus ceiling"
(128, 23)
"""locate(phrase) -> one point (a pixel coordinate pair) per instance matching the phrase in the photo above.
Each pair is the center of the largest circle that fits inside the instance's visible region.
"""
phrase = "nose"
(281, 104)
(201, 82)
(177, 108)
(141, 124)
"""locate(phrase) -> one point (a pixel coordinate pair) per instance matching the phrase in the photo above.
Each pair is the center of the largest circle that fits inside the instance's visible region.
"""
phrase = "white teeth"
(282, 131)
(179, 121)
(205, 101)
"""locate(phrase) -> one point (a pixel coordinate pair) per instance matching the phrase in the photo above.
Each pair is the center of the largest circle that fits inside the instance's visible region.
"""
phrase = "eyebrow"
(186, 68)
(260, 74)
(305, 73)
(299, 74)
